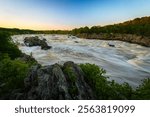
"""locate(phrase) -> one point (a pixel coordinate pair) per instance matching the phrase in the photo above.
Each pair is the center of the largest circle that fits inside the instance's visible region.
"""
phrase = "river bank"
(132, 38)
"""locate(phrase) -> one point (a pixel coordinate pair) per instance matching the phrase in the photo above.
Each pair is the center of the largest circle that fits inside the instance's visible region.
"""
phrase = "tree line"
(138, 26)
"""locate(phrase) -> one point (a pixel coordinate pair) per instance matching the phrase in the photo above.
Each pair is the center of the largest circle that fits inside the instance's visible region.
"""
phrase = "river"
(125, 62)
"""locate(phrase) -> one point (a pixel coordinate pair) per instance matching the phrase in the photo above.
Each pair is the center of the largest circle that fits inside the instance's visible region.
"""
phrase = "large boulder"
(57, 82)
(35, 41)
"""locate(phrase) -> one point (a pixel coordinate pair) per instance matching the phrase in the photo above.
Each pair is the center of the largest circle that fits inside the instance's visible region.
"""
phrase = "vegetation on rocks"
(106, 89)
(13, 69)
(71, 78)
(12, 74)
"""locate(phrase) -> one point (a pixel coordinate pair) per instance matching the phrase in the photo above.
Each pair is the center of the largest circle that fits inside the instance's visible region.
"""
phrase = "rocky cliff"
(142, 40)
(55, 82)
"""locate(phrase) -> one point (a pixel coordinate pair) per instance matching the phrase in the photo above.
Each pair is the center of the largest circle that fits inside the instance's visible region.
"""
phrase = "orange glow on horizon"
(32, 26)
(43, 26)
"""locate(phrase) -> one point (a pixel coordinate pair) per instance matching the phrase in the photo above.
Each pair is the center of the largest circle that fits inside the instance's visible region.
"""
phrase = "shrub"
(70, 74)
(103, 88)
(120, 91)
(71, 78)
(12, 74)
(143, 91)
(6, 46)
(94, 76)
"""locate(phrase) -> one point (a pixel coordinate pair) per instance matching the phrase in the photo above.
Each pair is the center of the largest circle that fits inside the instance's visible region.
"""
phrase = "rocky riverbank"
(71, 82)
(57, 82)
(141, 40)
(53, 82)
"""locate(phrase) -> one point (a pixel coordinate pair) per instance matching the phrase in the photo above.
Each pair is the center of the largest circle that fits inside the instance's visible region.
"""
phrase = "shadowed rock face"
(35, 41)
(57, 82)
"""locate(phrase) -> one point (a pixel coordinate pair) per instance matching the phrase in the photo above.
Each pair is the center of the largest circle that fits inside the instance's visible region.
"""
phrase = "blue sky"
(68, 14)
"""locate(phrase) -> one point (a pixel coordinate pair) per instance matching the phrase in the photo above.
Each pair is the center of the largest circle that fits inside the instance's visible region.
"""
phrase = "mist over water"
(124, 63)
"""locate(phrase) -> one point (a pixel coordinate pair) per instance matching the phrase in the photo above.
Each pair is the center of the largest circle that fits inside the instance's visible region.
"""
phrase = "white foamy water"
(124, 63)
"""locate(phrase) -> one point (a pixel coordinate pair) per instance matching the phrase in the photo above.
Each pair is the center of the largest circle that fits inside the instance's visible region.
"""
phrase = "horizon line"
(38, 29)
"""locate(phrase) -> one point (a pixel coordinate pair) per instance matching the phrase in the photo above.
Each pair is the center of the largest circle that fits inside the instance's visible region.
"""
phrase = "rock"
(111, 45)
(32, 41)
(16, 94)
(76, 41)
(27, 58)
(73, 37)
(44, 39)
(35, 41)
(78, 88)
(57, 82)
(44, 45)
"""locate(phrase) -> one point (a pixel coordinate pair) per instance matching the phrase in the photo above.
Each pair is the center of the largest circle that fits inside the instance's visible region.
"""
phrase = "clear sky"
(68, 14)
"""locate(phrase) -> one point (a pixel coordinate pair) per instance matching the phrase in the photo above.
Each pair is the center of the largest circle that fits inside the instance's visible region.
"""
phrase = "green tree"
(6, 46)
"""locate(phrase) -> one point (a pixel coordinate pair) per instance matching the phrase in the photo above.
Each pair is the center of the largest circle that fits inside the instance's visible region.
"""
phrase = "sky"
(69, 14)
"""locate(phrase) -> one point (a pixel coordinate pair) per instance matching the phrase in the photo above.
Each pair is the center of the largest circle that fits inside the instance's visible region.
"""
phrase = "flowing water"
(125, 62)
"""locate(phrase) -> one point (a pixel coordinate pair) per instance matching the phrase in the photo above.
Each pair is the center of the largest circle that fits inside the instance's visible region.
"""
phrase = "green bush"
(71, 78)
(143, 91)
(6, 46)
(12, 74)
(94, 76)
(12, 70)
(93, 73)
(119, 91)
(70, 74)
(103, 88)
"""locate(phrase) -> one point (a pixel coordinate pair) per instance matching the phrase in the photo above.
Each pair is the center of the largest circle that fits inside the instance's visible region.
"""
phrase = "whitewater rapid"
(125, 62)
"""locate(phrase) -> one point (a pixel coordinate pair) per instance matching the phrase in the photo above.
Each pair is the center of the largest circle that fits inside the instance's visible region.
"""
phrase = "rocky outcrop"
(142, 40)
(27, 58)
(57, 82)
(35, 41)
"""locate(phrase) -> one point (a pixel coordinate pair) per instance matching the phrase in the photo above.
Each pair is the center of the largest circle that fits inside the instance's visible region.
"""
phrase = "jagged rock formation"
(35, 41)
(132, 38)
(57, 82)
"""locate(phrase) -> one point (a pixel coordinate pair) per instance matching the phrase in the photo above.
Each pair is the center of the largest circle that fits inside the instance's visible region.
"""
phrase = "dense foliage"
(6, 46)
(105, 89)
(12, 71)
(139, 26)
(15, 31)
(143, 91)
(12, 74)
